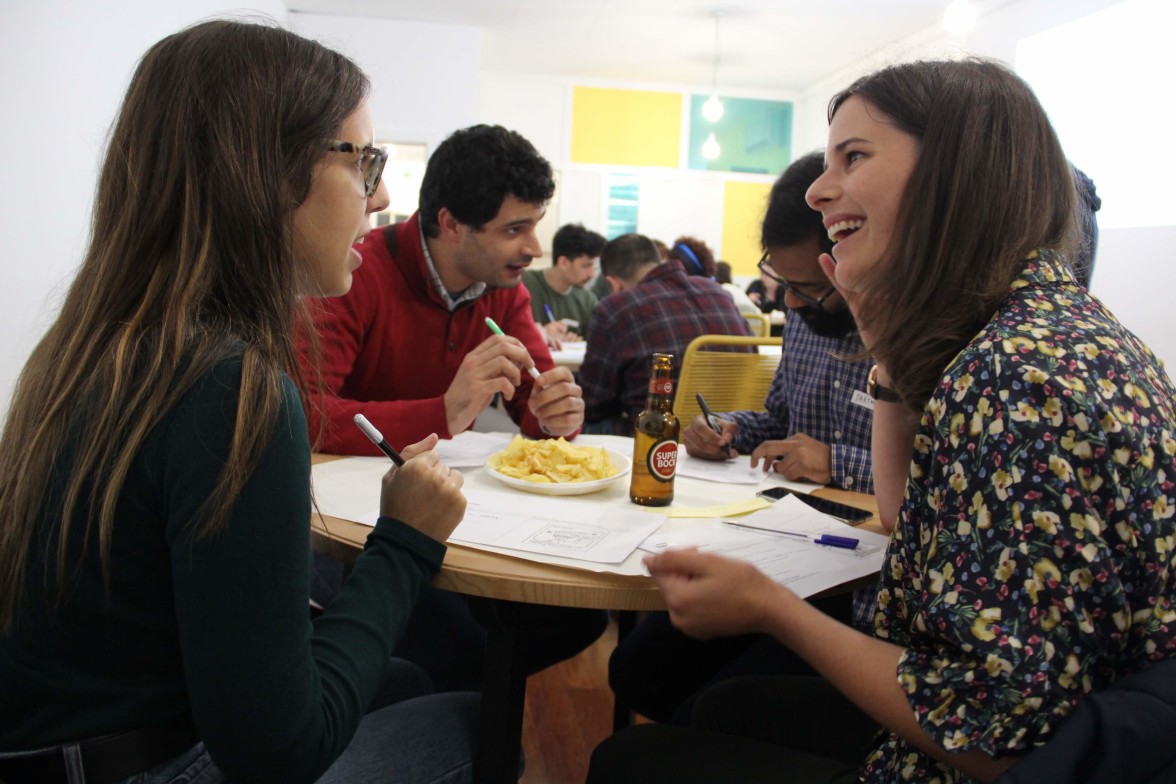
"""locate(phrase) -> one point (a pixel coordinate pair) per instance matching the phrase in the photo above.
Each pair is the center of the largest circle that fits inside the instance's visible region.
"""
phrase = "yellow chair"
(760, 323)
(729, 380)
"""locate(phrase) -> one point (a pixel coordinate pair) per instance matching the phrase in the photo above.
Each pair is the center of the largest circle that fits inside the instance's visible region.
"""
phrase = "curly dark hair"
(574, 241)
(473, 171)
(789, 220)
(695, 256)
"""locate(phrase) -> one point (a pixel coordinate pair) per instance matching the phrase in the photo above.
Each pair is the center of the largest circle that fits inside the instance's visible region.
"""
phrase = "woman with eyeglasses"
(1024, 450)
(155, 468)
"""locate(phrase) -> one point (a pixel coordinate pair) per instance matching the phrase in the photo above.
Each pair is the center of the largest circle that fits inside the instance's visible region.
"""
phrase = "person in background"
(657, 308)
(816, 427)
(1088, 203)
(558, 300)
(741, 300)
(602, 288)
(408, 348)
(694, 255)
(155, 480)
(766, 293)
(1023, 452)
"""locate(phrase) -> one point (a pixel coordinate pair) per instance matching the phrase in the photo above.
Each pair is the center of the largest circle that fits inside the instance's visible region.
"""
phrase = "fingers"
(424, 445)
(702, 441)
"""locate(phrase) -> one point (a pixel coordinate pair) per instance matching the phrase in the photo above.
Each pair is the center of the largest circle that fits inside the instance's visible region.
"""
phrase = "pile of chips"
(552, 461)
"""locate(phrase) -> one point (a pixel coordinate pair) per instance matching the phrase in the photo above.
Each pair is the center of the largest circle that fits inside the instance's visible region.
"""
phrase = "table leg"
(504, 691)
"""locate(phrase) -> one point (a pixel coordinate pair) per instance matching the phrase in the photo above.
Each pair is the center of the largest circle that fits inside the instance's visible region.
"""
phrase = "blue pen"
(550, 315)
(846, 542)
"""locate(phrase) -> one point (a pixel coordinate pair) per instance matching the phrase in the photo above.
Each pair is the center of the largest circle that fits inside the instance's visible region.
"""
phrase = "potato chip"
(552, 461)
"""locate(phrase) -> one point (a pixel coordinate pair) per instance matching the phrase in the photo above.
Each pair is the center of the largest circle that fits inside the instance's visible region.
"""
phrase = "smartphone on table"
(844, 512)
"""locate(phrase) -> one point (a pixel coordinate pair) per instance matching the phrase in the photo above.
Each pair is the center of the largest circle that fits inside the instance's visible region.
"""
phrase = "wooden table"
(514, 581)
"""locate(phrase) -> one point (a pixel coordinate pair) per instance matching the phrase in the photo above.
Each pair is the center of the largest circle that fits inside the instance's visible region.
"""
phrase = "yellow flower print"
(1122, 455)
(1082, 523)
(1071, 382)
(1090, 484)
(1050, 350)
(1002, 480)
(1087, 350)
(1033, 375)
(994, 665)
(1014, 344)
(1108, 342)
(1046, 521)
(979, 511)
(1126, 532)
(1046, 569)
(1141, 398)
(1077, 448)
(935, 409)
(1163, 508)
(962, 385)
(1167, 443)
(956, 429)
(1061, 468)
(1082, 422)
(958, 481)
(1007, 567)
(1148, 458)
(982, 627)
(1110, 423)
(1052, 410)
(1082, 577)
(1025, 413)
(1071, 668)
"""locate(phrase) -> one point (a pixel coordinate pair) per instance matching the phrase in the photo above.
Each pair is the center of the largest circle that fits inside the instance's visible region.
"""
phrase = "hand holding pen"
(709, 437)
(420, 491)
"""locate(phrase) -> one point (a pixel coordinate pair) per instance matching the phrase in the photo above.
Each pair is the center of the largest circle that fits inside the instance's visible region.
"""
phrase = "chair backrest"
(730, 380)
(760, 324)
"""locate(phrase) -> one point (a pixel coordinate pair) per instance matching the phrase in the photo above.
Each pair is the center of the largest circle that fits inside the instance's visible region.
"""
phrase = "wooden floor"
(569, 710)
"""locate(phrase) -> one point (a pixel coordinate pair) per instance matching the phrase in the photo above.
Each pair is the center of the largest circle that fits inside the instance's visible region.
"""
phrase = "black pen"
(711, 419)
(377, 438)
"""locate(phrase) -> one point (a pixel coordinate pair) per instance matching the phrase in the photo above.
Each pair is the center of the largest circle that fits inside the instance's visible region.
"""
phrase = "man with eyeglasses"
(816, 428)
(817, 424)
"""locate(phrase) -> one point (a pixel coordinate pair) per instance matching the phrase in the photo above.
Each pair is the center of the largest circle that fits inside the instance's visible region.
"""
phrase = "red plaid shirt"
(662, 313)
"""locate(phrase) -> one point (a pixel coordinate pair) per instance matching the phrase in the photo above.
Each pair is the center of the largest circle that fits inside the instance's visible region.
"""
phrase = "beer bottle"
(655, 440)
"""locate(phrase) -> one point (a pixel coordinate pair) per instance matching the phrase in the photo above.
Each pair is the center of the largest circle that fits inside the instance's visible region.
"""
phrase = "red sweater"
(391, 348)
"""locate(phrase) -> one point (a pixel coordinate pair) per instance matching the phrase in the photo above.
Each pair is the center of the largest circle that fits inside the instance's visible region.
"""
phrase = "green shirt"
(217, 626)
(576, 305)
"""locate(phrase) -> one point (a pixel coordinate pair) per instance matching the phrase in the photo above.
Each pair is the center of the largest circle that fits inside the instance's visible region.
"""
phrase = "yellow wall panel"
(744, 204)
(626, 127)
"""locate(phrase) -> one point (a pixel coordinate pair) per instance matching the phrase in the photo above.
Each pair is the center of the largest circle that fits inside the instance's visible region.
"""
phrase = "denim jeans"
(425, 740)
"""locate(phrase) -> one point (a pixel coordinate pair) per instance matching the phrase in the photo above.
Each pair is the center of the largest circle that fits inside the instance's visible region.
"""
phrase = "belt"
(106, 759)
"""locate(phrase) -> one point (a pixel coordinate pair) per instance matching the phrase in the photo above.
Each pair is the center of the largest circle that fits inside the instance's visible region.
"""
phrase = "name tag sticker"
(860, 398)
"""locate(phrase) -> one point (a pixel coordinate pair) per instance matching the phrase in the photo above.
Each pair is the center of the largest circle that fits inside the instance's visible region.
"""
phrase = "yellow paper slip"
(732, 509)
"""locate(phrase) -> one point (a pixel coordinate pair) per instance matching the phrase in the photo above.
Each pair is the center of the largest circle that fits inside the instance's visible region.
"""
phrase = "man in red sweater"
(408, 346)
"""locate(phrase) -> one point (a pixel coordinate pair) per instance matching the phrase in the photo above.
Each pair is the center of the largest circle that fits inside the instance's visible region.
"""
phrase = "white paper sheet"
(552, 525)
(736, 471)
(470, 449)
(792, 514)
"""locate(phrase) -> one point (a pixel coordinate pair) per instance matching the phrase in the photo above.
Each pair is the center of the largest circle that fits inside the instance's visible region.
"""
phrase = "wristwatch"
(879, 392)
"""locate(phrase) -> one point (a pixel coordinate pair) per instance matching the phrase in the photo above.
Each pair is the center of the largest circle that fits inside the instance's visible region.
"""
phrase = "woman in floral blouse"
(1024, 446)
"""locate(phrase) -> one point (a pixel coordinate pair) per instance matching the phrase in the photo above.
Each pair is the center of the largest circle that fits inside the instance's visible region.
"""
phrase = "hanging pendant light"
(711, 148)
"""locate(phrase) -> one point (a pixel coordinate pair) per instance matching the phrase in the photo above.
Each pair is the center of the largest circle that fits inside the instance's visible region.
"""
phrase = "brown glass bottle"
(655, 439)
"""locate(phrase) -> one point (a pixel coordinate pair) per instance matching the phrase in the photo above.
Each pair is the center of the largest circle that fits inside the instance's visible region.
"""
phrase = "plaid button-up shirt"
(818, 394)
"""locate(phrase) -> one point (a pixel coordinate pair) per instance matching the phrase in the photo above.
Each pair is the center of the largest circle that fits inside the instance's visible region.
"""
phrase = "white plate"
(621, 462)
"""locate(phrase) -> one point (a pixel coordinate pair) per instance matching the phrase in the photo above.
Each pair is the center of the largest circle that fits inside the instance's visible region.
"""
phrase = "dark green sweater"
(219, 627)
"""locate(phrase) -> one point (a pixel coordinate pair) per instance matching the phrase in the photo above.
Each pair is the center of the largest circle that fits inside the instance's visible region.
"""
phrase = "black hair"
(789, 220)
(623, 256)
(574, 241)
(475, 169)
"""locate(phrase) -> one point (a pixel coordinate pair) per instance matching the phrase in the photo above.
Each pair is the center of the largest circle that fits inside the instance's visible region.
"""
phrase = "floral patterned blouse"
(1034, 559)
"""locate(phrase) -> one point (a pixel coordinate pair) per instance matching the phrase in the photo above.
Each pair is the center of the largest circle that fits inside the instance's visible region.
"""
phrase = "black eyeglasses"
(371, 161)
(765, 266)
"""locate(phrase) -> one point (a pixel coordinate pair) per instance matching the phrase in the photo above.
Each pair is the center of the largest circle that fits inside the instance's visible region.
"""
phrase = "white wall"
(424, 76)
(66, 65)
(1134, 274)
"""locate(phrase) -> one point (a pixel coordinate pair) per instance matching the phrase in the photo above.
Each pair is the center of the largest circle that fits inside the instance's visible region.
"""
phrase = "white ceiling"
(763, 44)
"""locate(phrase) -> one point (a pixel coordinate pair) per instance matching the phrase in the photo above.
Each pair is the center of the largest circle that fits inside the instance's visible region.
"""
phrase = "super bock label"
(662, 460)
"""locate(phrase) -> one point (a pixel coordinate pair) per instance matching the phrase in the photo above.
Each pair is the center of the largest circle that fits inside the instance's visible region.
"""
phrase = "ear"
(559, 261)
(616, 283)
(450, 226)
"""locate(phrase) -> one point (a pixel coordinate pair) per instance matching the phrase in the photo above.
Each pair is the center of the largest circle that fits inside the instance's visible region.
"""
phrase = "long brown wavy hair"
(190, 261)
(991, 184)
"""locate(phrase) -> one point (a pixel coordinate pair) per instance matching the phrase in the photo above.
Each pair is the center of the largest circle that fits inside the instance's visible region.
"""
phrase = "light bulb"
(711, 148)
(959, 17)
(712, 110)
